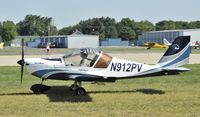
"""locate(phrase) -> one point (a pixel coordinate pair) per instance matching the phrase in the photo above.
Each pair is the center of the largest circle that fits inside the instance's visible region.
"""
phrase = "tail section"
(166, 42)
(177, 53)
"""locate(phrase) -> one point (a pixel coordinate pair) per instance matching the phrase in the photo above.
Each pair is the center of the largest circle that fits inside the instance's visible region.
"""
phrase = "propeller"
(21, 62)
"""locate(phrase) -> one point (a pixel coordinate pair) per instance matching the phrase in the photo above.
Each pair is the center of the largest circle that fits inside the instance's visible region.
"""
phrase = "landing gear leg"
(78, 89)
(74, 86)
(42, 81)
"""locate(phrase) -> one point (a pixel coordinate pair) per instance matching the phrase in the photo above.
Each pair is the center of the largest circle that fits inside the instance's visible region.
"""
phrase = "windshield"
(81, 57)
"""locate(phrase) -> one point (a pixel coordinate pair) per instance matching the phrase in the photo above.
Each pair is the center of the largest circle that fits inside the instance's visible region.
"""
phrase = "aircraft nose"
(21, 62)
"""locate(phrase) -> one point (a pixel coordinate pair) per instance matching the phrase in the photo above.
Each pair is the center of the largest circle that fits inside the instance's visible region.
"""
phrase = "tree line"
(32, 25)
(105, 27)
(109, 28)
(126, 28)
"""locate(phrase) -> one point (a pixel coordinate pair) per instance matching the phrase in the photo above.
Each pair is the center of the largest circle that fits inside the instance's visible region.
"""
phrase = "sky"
(70, 12)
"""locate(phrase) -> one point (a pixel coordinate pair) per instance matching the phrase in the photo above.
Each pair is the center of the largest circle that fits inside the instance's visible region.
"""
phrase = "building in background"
(170, 35)
(17, 41)
(79, 40)
(114, 42)
(59, 41)
(76, 40)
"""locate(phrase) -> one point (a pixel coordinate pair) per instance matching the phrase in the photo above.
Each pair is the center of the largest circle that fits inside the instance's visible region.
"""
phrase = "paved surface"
(149, 58)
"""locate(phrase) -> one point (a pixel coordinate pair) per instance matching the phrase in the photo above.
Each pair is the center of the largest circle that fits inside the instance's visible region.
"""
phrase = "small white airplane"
(102, 67)
(196, 45)
(193, 45)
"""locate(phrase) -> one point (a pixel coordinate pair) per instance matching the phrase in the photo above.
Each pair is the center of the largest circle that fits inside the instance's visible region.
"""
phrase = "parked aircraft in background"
(91, 65)
(193, 45)
(150, 45)
(196, 45)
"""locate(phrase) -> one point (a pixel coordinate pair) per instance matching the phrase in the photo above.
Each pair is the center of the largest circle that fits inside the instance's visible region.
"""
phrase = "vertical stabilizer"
(166, 42)
(177, 53)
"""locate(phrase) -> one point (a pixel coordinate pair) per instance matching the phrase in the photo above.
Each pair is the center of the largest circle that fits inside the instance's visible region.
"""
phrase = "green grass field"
(174, 96)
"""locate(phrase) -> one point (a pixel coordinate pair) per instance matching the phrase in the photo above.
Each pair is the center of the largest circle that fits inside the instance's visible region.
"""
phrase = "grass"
(175, 96)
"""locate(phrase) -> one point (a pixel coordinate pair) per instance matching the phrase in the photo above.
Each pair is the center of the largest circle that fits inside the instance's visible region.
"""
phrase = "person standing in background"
(48, 48)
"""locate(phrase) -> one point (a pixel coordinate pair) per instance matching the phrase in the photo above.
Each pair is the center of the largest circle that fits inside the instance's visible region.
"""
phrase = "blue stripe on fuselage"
(41, 73)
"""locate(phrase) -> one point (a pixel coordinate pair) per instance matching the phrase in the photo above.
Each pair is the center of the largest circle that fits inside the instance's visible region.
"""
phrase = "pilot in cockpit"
(84, 59)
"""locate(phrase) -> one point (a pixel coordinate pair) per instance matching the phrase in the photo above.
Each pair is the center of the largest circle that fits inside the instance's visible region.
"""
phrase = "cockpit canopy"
(87, 57)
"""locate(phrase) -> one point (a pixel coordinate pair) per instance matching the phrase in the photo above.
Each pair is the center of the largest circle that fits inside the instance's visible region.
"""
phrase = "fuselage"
(55, 68)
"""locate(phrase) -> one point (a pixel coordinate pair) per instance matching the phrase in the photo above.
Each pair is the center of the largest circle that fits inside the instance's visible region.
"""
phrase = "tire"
(80, 91)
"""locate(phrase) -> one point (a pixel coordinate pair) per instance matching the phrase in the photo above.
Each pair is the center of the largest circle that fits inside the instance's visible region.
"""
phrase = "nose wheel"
(78, 90)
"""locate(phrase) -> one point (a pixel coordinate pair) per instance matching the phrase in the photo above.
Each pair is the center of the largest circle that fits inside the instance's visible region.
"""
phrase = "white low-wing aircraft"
(193, 45)
(91, 65)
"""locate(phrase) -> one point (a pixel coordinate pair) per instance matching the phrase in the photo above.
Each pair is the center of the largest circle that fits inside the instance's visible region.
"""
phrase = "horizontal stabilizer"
(177, 69)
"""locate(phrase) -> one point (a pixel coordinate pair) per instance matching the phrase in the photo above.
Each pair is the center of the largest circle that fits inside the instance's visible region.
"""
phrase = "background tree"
(127, 33)
(182, 25)
(0, 32)
(194, 24)
(36, 25)
(143, 26)
(8, 31)
(67, 30)
(110, 27)
(165, 25)
(125, 29)
(87, 26)
(53, 30)
(104, 27)
(93, 26)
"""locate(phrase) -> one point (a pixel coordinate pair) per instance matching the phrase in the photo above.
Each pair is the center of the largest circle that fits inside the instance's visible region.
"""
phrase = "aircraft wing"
(91, 78)
(177, 69)
(151, 45)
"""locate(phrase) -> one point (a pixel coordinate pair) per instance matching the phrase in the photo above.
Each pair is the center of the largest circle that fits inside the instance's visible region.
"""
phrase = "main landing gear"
(76, 87)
